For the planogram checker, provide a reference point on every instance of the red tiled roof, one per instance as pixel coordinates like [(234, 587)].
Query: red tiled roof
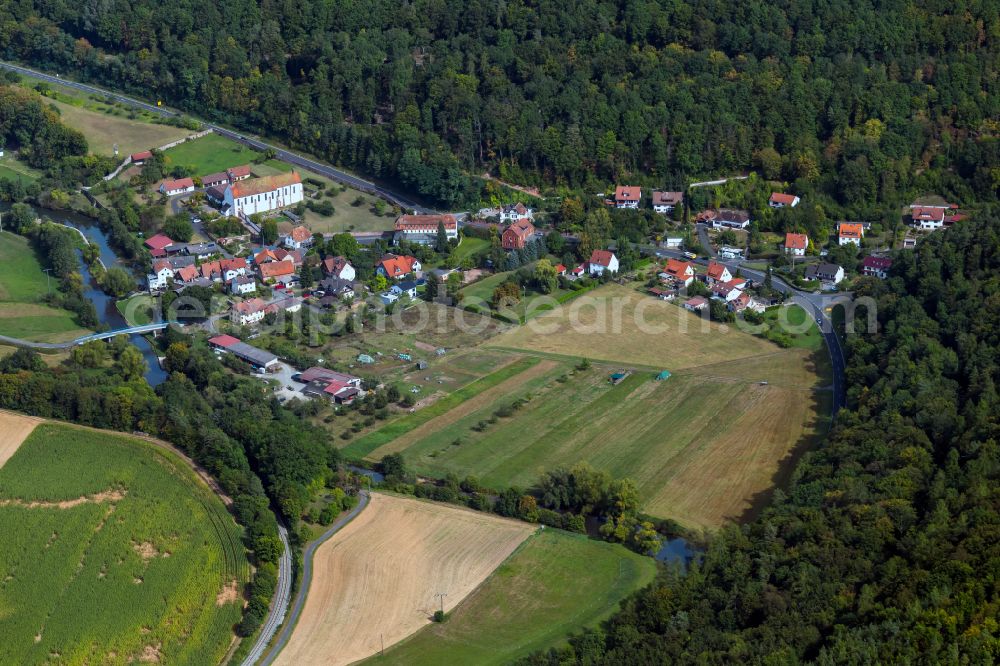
[(397, 266), (667, 198), (160, 265), (265, 256), (276, 269), (264, 184), (186, 273), (179, 184), (299, 234), (877, 263), (425, 222), (233, 264), (627, 193), (601, 257), (850, 230), (696, 301), (250, 306), (209, 268), (796, 241), (335, 264), (715, 270), (158, 242), (925, 213), (223, 340), (782, 198), (239, 171), (560, 268), (678, 268), (142, 155), (215, 178)]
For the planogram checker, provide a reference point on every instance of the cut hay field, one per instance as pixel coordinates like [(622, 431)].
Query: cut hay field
[(22, 286), (375, 580), (704, 446), (114, 552), (615, 323), (104, 129), (556, 583), (14, 429)]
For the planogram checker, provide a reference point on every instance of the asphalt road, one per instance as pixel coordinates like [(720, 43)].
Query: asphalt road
[(279, 605), (288, 156), (300, 599)]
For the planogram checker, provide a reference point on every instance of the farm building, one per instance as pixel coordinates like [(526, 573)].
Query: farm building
[(258, 358), (423, 229)]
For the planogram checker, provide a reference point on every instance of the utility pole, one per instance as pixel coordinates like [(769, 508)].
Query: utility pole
[(48, 279), (442, 595)]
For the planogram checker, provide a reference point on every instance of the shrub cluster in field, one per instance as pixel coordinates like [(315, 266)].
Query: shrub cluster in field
[(140, 567)]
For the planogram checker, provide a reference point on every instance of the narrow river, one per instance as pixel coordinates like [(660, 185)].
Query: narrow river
[(105, 305)]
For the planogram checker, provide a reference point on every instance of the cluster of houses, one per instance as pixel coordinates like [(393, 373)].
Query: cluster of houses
[(601, 262), (235, 192), (677, 275), (630, 197)]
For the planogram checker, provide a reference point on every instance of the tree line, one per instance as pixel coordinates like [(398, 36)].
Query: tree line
[(866, 102), (882, 548)]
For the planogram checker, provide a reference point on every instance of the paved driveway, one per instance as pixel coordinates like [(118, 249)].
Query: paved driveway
[(284, 375)]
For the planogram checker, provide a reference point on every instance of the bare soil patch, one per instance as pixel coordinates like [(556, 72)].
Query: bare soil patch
[(14, 429), (230, 593), (377, 578)]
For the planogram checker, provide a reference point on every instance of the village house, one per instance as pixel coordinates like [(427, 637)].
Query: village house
[(717, 273), (796, 244), (873, 266), (560, 269), (601, 261), (850, 232), (264, 256), (200, 250), (161, 275), (260, 195), (517, 235), (662, 294), (242, 285), (681, 272), (781, 200), (927, 217), (338, 288), (140, 158), (287, 304), (726, 218), (215, 179), (238, 173), (339, 267), (696, 304), (282, 272), (258, 358), (516, 212), (394, 267), (745, 302), (665, 202), (186, 274), (627, 196), (158, 245), (175, 187), (404, 288), (298, 238), (578, 272), (248, 312), (727, 291), (423, 229), (831, 273)]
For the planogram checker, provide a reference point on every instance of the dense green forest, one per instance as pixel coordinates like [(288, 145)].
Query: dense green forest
[(884, 547), (867, 101)]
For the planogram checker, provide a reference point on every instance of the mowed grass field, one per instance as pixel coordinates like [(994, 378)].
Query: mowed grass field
[(113, 551), (22, 287), (376, 579), (704, 446), (556, 583), (209, 154)]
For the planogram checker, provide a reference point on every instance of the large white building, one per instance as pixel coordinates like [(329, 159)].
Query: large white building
[(259, 195), (423, 229)]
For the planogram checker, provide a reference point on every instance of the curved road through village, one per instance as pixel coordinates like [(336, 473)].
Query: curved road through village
[(253, 142)]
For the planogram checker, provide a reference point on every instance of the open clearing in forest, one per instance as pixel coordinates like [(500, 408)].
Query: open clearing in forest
[(23, 284), (555, 584), (14, 429), (376, 579), (113, 549), (704, 446), (104, 130)]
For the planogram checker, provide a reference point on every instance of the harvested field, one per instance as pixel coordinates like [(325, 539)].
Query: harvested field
[(376, 579), (615, 323), (14, 429)]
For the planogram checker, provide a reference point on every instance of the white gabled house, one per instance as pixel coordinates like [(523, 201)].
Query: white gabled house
[(601, 261)]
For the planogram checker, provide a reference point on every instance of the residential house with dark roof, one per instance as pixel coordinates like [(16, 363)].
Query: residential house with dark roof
[(665, 202)]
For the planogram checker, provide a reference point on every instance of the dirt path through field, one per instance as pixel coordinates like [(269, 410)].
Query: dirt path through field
[(375, 581), (504, 389), (14, 429)]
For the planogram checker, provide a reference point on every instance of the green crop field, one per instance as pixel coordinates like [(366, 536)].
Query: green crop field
[(554, 584), (22, 286), (113, 551), (209, 154)]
